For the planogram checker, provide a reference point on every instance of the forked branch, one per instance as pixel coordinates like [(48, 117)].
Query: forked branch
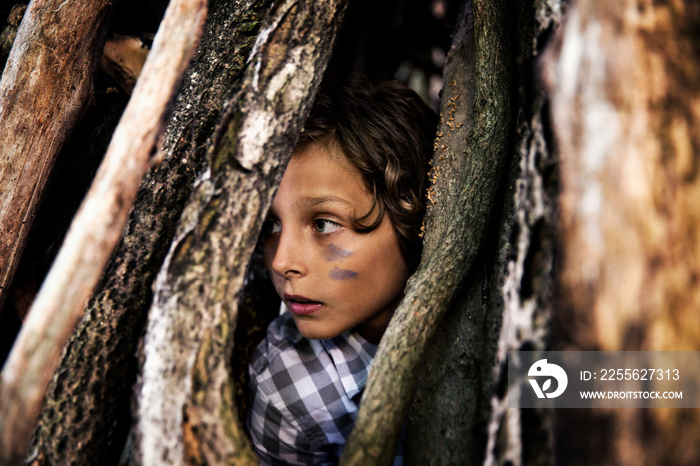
[(468, 165)]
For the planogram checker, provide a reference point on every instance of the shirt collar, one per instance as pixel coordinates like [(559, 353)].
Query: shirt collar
[(288, 329), (352, 356)]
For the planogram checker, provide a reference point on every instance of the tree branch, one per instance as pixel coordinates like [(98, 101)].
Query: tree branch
[(89, 242), (464, 188)]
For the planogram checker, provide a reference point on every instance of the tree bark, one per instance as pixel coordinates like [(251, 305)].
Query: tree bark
[(186, 409), (526, 252), (459, 410), (44, 89), (87, 412), (468, 170), (624, 80), (89, 242), (452, 400)]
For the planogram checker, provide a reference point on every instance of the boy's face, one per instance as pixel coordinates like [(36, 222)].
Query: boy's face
[(331, 277)]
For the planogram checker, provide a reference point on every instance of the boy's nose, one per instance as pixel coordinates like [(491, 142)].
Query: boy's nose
[(288, 260)]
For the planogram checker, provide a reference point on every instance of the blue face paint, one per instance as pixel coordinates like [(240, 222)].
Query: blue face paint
[(336, 253), (342, 274)]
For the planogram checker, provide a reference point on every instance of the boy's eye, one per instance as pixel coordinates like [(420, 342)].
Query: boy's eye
[(270, 227), (325, 226)]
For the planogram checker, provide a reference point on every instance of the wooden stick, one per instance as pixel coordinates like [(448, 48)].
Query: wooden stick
[(95, 229)]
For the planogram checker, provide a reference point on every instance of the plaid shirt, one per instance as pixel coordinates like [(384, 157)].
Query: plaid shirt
[(305, 394)]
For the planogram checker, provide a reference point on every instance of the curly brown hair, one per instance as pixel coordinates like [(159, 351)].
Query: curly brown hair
[(386, 132)]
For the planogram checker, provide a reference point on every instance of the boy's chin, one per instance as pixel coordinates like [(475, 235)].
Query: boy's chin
[(313, 331)]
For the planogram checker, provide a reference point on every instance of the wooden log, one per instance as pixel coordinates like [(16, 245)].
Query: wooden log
[(95, 230), (123, 60), (45, 86)]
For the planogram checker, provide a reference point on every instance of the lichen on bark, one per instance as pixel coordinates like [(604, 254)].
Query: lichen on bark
[(185, 394)]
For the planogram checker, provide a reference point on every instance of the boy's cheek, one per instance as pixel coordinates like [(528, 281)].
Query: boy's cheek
[(269, 250), (342, 274), (335, 253), (277, 283)]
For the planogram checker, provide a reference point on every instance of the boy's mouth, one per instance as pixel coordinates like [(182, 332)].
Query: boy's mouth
[(301, 305)]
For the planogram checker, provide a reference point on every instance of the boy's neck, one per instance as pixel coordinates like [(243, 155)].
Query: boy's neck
[(373, 331)]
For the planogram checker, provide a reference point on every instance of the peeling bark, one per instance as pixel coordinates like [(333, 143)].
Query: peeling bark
[(185, 398)]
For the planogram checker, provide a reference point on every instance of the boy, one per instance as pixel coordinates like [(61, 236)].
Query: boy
[(342, 238)]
